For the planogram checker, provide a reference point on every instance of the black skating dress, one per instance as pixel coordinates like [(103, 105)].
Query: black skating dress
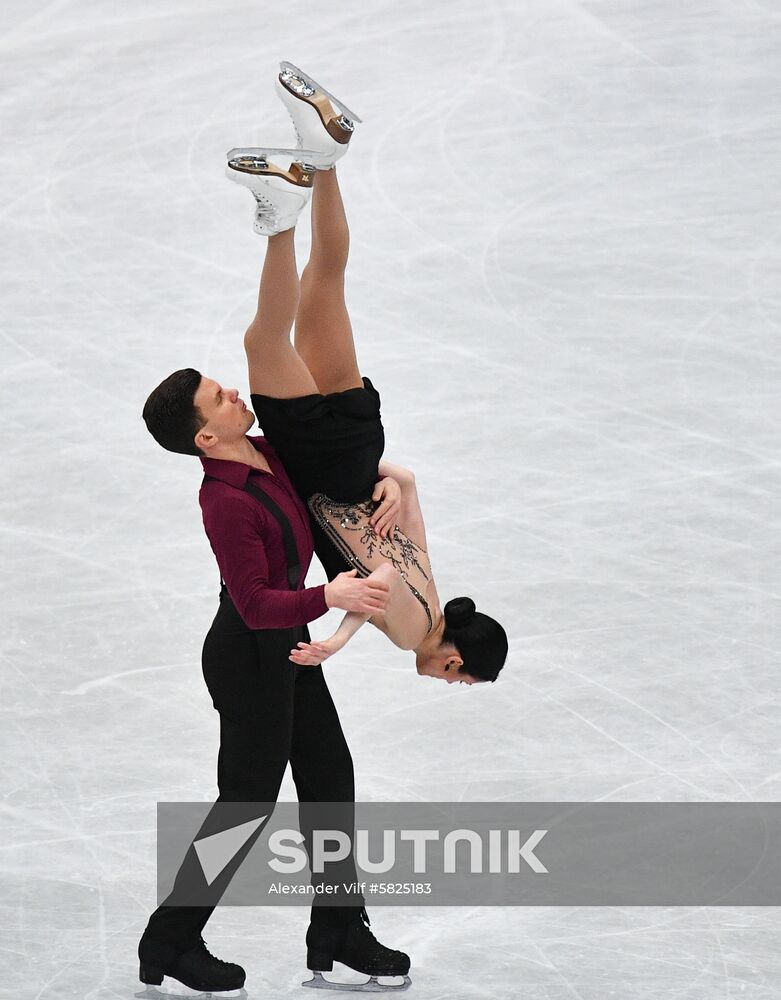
[(331, 445)]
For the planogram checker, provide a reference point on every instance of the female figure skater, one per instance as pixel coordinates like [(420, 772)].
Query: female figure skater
[(323, 418)]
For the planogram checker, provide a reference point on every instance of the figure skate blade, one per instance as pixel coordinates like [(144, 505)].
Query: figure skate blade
[(172, 989), (373, 985), (340, 106), (309, 158)]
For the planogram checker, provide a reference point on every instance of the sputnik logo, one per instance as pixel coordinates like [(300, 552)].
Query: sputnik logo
[(216, 851)]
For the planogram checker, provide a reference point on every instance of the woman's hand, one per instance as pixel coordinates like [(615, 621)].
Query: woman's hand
[(309, 654), (388, 492)]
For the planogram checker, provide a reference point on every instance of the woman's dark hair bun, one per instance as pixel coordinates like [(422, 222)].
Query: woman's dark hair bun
[(480, 641), (459, 612)]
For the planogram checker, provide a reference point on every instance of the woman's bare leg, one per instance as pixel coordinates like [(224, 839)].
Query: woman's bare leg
[(323, 335), (275, 367)]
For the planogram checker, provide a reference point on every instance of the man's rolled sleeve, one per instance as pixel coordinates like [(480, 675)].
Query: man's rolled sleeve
[(234, 532)]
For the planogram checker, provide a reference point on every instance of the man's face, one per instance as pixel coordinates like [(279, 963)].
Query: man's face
[(227, 416)]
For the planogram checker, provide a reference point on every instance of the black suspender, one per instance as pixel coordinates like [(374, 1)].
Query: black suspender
[(291, 552)]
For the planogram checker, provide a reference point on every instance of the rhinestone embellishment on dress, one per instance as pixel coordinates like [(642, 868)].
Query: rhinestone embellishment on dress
[(397, 548)]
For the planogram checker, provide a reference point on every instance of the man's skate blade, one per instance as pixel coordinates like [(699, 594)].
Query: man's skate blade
[(340, 105), (172, 989), (319, 982)]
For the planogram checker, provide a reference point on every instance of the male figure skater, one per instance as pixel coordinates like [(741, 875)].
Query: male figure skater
[(271, 710)]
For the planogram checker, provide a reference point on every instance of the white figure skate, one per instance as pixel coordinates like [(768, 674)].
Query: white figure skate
[(281, 191), (322, 122)]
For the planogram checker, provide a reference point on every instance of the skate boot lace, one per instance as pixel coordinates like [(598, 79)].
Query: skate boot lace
[(299, 139), (381, 948), (266, 209), (221, 962)]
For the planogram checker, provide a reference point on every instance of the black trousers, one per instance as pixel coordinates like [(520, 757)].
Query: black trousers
[(271, 711)]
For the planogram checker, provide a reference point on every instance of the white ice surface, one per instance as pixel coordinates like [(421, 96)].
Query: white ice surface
[(564, 280)]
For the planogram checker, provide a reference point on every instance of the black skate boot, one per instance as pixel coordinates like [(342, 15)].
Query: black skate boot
[(195, 968), (341, 934)]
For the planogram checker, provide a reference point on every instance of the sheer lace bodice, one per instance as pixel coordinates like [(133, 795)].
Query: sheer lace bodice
[(348, 527)]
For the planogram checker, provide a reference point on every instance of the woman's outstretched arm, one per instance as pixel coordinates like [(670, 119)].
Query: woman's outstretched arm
[(309, 654)]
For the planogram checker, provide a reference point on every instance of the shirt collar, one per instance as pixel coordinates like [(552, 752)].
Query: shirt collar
[(233, 473)]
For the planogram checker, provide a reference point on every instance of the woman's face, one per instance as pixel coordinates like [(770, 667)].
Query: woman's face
[(445, 666)]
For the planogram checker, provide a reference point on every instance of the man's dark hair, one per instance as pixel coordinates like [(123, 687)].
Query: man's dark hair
[(171, 416)]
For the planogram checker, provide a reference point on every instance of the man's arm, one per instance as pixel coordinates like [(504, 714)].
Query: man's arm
[(394, 480), (410, 515), (397, 472), (233, 532)]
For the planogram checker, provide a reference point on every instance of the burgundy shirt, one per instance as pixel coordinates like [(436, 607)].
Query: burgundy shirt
[(247, 541)]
